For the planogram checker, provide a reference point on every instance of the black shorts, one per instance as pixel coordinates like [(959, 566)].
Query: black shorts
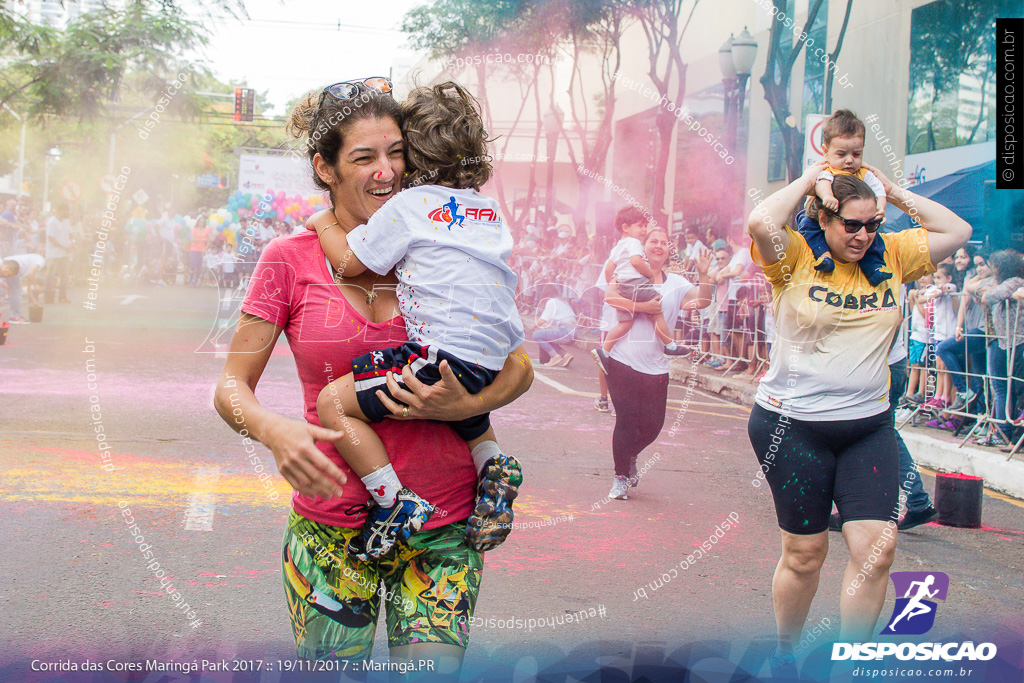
[(810, 464), (370, 374)]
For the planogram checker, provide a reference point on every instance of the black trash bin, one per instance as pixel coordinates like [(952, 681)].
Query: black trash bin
[(958, 499)]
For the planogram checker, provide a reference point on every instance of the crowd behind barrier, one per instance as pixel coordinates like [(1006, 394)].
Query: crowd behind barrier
[(150, 250), (966, 368), (963, 326)]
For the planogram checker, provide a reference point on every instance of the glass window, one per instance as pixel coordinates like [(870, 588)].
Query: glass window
[(952, 73), (776, 147), (814, 67)]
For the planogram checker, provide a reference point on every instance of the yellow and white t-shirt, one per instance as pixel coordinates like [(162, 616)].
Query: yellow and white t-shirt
[(833, 330)]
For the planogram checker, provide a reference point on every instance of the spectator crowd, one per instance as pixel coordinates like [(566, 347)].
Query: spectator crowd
[(963, 326)]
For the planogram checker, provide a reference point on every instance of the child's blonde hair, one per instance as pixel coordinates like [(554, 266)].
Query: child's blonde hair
[(446, 143)]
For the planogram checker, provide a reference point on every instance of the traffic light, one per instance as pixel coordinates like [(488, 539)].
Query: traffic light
[(245, 104)]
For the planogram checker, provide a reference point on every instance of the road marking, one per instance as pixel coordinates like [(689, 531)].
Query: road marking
[(202, 503), (127, 299), (987, 492), (572, 392)]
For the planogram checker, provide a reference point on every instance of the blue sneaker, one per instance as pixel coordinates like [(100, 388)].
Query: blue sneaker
[(385, 526), (492, 516)]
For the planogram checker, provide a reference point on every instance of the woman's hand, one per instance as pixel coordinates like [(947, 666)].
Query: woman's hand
[(703, 262), (446, 400), (300, 462), (652, 307), (810, 177)]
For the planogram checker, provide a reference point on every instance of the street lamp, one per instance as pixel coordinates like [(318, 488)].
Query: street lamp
[(552, 123), (52, 157), (736, 60)]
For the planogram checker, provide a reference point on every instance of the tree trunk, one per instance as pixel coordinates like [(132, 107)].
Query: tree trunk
[(834, 56)]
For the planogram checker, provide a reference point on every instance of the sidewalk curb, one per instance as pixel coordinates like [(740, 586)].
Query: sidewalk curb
[(1000, 474)]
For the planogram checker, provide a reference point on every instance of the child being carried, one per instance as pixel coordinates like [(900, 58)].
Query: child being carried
[(456, 293)]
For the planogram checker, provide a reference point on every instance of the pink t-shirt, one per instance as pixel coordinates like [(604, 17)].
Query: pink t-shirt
[(292, 289)]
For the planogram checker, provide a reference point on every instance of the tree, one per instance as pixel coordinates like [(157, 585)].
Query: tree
[(665, 23), (594, 30), (834, 55), (72, 73), (782, 55)]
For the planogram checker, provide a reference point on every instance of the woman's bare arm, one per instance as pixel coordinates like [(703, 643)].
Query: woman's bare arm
[(615, 300), (292, 442), (766, 220), (947, 232)]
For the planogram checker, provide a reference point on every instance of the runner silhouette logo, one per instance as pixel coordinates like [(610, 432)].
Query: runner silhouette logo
[(914, 612)]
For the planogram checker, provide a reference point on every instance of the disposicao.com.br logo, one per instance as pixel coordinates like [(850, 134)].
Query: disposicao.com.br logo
[(914, 614)]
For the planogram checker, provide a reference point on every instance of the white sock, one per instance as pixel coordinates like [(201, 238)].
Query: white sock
[(484, 451), (383, 485)]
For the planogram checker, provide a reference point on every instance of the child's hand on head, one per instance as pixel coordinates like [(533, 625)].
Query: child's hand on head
[(830, 203), (320, 220)]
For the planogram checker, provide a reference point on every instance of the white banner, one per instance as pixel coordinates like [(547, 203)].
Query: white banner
[(259, 173), (932, 165)]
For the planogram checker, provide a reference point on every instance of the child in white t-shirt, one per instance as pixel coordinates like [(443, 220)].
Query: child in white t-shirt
[(920, 337), (456, 292), (945, 305), (633, 281)]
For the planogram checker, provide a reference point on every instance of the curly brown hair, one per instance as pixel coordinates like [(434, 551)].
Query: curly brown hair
[(323, 123), (446, 143)]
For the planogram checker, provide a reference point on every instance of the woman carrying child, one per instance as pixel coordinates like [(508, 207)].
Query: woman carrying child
[(637, 367), (356, 147), (820, 427)]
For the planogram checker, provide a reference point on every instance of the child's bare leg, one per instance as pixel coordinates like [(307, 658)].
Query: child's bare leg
[(661, 328), (618, 331), (361, 448)]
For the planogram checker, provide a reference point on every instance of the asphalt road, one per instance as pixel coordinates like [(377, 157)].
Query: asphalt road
[(78, 588)]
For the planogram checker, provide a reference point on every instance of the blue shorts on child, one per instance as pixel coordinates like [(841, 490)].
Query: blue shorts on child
[(917, 352), (370, 375)]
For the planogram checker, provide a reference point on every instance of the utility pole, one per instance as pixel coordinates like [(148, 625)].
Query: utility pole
[(21, 150)]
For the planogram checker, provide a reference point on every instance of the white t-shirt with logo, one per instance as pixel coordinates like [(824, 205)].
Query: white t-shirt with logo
[(641, 349), (455, 287)]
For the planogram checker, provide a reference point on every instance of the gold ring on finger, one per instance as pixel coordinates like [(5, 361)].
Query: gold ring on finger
[(405, 411)]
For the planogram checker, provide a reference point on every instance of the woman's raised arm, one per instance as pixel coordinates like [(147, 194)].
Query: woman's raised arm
[(947, 232), (449, 401), (293, 442), (766, 220)]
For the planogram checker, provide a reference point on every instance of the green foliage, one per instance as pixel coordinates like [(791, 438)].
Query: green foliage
[(950, 39), (74, 73)]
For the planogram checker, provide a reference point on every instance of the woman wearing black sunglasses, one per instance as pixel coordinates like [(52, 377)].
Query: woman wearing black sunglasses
[(428, 588), (820, 427)]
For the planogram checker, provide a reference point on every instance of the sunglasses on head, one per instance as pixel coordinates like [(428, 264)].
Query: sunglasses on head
[(348, 90), (854, 227)]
